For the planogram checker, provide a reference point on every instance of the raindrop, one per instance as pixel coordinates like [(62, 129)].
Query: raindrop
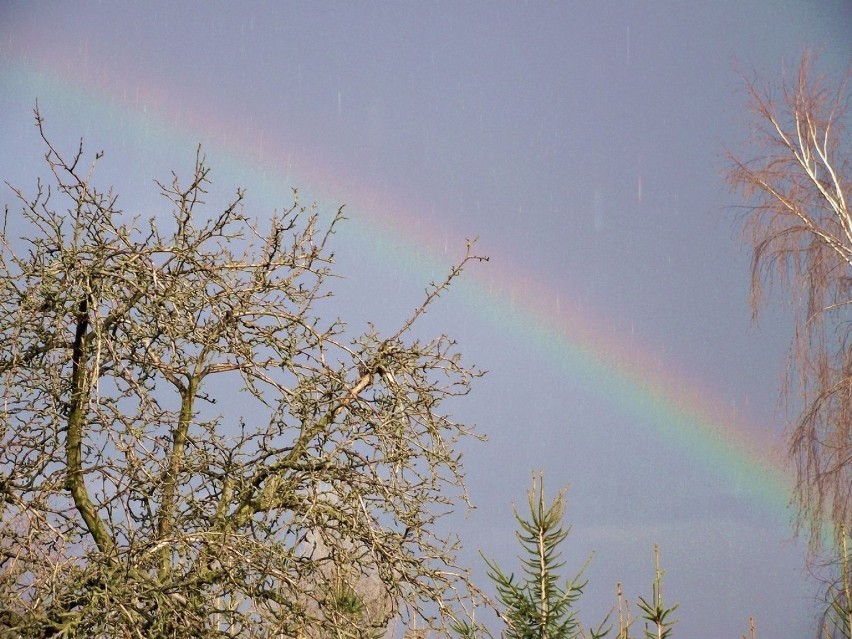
[(628, 45), (598, 208)]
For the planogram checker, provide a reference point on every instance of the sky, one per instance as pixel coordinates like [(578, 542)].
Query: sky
[(583, 144)]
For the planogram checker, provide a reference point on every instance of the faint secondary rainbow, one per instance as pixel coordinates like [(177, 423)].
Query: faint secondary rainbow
[(636, 381)]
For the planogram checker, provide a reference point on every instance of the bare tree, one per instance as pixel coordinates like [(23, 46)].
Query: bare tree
[(180, 430), (798, 222)]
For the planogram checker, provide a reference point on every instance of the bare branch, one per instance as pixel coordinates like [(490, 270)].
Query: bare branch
[(301, 496), (800, 228)]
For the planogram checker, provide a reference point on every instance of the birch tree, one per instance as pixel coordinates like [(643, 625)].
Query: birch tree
[(796, 184)]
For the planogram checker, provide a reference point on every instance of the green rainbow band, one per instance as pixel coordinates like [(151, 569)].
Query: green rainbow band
[(637, 382)]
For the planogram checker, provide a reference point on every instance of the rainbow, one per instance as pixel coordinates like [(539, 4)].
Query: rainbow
[(637, 382)]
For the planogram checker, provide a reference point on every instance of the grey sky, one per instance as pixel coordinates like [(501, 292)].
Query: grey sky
[(582, 142)]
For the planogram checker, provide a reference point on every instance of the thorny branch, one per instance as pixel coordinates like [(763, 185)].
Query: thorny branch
[(309, 502)]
